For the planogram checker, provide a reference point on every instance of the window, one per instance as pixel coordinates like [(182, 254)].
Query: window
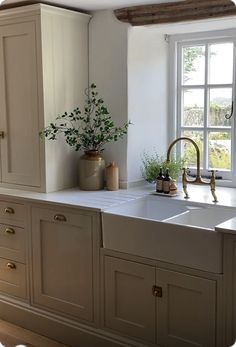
[(204, 98)]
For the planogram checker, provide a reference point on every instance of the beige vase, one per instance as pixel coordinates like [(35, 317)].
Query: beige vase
[(91, 171)]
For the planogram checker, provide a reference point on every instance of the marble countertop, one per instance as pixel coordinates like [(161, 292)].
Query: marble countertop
[(103, 200)]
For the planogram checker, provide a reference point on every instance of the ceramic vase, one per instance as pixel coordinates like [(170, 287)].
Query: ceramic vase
[(91, 171)]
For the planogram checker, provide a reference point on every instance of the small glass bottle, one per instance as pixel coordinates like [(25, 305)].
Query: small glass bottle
[(166, 182), (159, 182)]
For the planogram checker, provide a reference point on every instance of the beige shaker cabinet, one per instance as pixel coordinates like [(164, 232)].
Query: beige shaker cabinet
[(64, 257), (13, 250), (20, 147), (157, 305), (43, 72)]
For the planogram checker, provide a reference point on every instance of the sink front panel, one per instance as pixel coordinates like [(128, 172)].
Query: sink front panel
[(192, 247)]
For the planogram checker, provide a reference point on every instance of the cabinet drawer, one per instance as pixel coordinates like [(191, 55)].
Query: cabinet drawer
[(79, 220), (12, 211), (13, 278), (12, 242)]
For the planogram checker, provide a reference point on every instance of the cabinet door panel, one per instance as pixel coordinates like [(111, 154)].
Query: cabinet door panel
[(186, 313), (62, 263), (129, 303), (19, 105)]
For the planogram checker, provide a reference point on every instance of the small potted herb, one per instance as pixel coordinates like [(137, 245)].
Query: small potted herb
[(151, 164)]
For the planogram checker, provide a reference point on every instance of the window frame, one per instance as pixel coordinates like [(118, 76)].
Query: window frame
[(175, 90)]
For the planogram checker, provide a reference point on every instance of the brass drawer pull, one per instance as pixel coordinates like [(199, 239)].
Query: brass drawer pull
[(2, 134), (60, 218), (9, 231), (9, 210), (11, 266), (157, 291)]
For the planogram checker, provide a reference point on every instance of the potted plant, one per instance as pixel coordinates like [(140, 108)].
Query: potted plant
[(151, 164), (89, 131)]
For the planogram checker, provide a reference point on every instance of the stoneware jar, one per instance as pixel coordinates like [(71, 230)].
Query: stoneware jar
[(91, 171), (112, 177)]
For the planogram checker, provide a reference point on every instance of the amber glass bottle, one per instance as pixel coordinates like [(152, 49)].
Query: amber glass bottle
[(166, 182), (159, 182)]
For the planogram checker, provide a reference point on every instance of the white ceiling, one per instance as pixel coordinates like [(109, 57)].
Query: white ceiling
[(92, 5)]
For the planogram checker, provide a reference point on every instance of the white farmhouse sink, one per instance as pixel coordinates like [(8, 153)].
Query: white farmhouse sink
[(150, 207), (168, 230), (203, 217)]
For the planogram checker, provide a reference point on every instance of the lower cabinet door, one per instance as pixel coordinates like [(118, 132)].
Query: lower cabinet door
[(186, 312), (129, 302), (63, 262)]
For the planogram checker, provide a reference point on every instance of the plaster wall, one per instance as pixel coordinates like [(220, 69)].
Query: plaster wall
[(147, 96), (129, 66), (108, 45)]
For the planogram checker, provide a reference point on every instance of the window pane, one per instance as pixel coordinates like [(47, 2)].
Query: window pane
[(193, 107), (193, 65), (219, 150), (221, 63), (220, 107), (188, 150)]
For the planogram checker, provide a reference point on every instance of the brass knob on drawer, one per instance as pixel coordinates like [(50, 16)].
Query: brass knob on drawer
[(9, 231), (11, 266), (60, 218), (9, 210)]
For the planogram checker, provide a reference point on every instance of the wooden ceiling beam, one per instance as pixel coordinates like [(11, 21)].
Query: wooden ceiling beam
[(175, 12)]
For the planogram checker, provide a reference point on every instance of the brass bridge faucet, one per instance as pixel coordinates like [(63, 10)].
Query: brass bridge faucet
[(198, 179)]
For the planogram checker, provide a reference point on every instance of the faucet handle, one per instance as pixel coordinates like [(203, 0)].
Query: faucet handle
[(213, 172)]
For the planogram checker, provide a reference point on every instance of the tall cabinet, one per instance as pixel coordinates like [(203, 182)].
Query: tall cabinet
[(43, 72)]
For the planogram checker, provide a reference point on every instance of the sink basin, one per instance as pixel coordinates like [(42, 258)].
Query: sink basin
[(169, 230), (203, 217), (150, 207)]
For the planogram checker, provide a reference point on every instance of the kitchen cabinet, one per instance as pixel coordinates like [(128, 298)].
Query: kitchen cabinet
[(158, 305), (63, 262), (13, 253), (43, 72)]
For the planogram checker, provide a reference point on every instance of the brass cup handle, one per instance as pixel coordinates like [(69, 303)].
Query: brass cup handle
[(11, 266), (9, 231), (9, 210), (60, 218)]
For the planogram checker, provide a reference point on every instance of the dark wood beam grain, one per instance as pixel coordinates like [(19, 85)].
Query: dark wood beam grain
[(175, 12)]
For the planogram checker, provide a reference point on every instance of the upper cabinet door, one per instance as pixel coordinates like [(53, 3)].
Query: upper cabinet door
[(19, 143)]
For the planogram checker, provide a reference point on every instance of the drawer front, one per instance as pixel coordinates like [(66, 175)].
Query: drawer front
[(13, 278), (79, 220), (13, 211), (12, 242)]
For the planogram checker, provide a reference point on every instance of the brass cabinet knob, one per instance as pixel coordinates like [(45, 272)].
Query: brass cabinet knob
[(9, 210), (2, 134), (60, 218), (9, 231), (157, 291), (11, 266)]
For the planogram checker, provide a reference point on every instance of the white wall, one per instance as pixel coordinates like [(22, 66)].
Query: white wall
[(147, 96), (129, 66), (108, 41)]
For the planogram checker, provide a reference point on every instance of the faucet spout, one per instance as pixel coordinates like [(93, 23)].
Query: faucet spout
[(198, 175)]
